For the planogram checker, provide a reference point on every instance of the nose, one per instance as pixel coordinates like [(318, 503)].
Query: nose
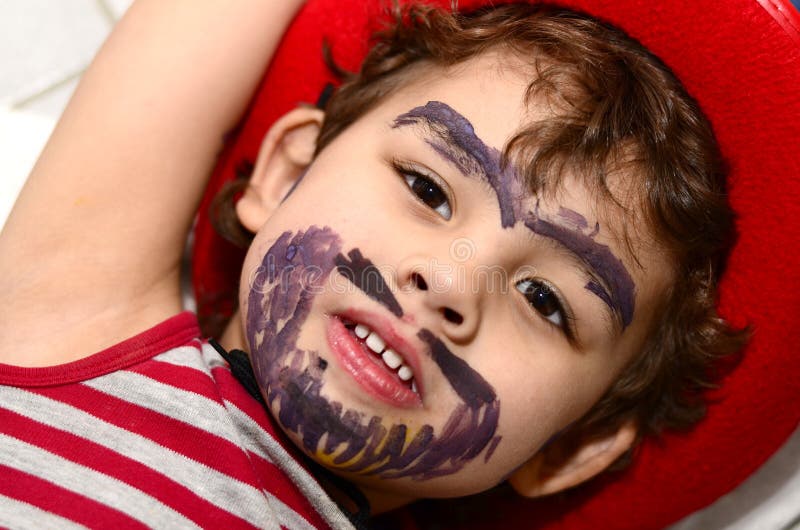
[(439, 297)]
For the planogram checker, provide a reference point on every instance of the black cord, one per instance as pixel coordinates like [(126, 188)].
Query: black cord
[(242, 370)]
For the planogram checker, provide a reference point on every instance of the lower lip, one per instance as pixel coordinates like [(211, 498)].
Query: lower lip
[(367, 369)]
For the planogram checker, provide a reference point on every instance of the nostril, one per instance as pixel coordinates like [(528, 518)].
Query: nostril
[(419, 281), (452, 316)]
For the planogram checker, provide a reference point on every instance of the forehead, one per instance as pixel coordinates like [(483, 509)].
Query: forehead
[(489, 90), (489, 94)]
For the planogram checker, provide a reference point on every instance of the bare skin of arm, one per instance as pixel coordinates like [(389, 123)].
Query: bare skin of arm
[(90, 253)]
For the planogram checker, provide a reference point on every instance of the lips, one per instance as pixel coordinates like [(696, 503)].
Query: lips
[(383, 363)]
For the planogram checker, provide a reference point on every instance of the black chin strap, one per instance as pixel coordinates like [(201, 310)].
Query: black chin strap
[(242, 370)]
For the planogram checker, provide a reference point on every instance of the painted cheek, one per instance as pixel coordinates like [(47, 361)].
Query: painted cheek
[(292, 378)]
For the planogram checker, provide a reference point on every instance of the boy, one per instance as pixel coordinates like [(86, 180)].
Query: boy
[(572, 161)]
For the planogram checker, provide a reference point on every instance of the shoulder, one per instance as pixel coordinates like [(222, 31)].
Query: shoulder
[(152, 431), (175, 332)]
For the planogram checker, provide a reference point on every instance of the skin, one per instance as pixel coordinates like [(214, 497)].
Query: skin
[(605, 268), (279, 304), (360, 271), (500, 357), (99, 228), (97, 192), (459, 145)]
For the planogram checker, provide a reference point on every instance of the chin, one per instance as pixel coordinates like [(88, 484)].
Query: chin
[(342, 399)]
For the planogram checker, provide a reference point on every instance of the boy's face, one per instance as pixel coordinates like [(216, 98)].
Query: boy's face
[(509, 315)]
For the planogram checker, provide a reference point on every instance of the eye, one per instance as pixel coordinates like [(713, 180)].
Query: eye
[(427, 191), (542, 297)]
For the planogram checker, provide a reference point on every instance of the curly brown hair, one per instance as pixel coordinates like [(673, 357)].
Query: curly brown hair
[(618, 106)]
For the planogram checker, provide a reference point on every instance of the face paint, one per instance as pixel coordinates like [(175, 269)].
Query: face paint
[(467, 383), (573, 218), (620, 294), (291, 379), (457, 142), (365, 275)]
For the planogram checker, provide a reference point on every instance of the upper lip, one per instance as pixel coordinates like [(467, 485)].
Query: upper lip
[(393, 338)]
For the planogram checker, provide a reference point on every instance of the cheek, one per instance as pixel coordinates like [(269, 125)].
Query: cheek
[(251, 270), (353, 190), (532, 411), (543, 389)]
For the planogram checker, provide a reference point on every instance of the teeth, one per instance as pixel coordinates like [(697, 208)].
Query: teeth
[(375, 342), (405, 373), (391, 359), (361, 331)]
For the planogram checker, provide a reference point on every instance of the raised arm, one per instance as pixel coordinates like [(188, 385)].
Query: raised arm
[(90, 253)]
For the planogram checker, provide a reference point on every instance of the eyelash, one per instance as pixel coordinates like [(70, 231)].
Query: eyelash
[(413, 178), (565, 321)]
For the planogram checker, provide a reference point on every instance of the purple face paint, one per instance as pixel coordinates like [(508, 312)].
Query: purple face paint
[(457, 142), (468, 384), (598, 257), (365, 275), (291, 379), (573, 218), (491, 448)]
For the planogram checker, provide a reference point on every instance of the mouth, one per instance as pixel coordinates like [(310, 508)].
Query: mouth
[(379, 360)]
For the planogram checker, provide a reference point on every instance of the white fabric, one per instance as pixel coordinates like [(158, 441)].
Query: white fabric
[(768, 500)]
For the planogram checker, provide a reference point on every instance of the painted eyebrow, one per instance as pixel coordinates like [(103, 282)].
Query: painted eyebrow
[(459, 138), (615, 288), (590, 277)]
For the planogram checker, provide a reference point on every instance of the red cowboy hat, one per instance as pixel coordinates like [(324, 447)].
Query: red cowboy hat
[(741, 60)]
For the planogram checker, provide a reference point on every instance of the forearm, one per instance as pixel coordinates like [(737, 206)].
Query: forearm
[(148, 116), (119, 180)]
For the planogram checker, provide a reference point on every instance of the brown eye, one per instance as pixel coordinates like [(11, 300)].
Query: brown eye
[(428, 192), (541, 297)]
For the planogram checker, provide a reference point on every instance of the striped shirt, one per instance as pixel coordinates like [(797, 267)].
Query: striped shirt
[(151, 433)]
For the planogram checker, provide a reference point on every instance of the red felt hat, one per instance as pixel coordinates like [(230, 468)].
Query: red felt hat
[(741, 60)]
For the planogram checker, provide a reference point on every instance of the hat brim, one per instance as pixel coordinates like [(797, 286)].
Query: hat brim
[(741, 60)]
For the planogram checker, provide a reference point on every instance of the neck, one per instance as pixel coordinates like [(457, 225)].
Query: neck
[(381, 502), (233, 336)]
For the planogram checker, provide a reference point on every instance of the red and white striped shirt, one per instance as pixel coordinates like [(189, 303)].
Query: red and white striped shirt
[(154, 432)]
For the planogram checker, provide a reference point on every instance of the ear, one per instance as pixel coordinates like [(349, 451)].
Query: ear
[(286, 151), (553, 469)]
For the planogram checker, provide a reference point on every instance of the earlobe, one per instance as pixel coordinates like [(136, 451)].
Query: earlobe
[(286, 152), (552, 469)]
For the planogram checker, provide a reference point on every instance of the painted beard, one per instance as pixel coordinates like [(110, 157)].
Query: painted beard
[(293, 270)]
